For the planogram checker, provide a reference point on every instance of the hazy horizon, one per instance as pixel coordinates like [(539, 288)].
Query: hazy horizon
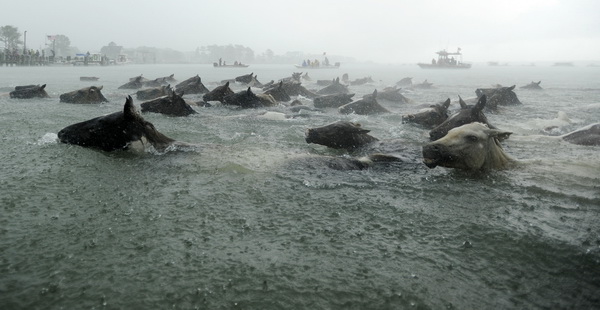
[(375, 31)]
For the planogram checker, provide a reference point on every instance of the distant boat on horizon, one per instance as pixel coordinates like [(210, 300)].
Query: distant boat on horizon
[(307, 64), (223, 64), (446, 60), (216, 65), (334, 66)]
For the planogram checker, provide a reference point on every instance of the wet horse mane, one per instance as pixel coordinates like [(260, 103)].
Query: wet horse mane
[(158, 140)]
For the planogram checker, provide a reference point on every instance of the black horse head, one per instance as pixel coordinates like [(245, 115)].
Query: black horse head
[(114, 131)]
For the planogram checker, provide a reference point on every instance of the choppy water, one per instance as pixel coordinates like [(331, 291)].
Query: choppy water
[(242, 223)]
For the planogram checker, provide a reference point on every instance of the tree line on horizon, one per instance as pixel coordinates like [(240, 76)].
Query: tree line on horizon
[(60, 45)]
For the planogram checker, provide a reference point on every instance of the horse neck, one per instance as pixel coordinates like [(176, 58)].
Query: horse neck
[(496, 158)]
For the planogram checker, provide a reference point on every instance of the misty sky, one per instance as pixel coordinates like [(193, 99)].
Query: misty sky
[(379, 31)]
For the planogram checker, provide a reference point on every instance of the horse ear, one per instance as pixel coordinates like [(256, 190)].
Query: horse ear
[(511, 88), (499, 134), (43, 86), (101, 86), (446, 103), (480, 104), (249, 91), (463, 104), (129, 109), (227, 84), (357, 128), (375, 94), (280, 83)]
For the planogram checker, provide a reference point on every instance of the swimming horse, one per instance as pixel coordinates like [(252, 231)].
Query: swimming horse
[(116, 131)]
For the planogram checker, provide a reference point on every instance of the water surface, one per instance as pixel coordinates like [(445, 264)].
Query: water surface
[(241, 221)]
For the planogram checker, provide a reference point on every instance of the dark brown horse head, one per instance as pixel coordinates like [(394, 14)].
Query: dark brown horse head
[(366, 106), (467, 114), (218, 93), (173, 105), (340, 135), (430, 117), (500, 95), (243, 99), (279, 93), (90, 94), (29, 91)]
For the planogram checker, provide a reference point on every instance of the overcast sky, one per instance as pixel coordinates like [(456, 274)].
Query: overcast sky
[(393, 31)]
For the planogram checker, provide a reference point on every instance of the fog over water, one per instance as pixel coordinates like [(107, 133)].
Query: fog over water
[(378, 31)]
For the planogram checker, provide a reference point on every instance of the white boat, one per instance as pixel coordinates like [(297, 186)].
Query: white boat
[(446, 60)]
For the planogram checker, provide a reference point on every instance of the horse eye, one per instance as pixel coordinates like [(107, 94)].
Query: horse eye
[(471, 138)]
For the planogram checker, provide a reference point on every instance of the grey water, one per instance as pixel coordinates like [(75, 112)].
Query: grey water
[(241, 222)]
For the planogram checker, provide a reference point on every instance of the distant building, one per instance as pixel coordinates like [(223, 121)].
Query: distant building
[(112, 51)]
